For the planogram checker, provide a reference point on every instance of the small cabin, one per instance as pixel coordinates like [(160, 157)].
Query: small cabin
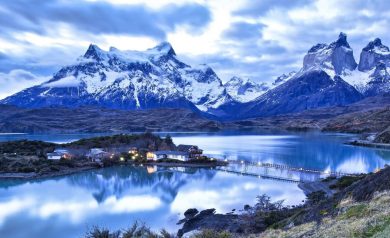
[(97, 154), (59, 154), (65, 154), (53, 156), (133, 150), (192, 150), (167, 154)]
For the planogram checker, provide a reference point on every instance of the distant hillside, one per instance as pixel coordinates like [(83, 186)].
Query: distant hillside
[(67, 120), (369, 115)]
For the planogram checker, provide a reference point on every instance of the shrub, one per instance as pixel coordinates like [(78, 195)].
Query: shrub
[(316, 197), (53, 168), (377, 229), (138, 231), (26, 170), (346, 181), (98, 232), (67, 162), (212, 234), (356, 211)]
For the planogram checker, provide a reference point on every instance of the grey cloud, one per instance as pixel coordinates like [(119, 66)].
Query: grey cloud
[(17, 80), (102, 17), (244, 31), (256, 8)]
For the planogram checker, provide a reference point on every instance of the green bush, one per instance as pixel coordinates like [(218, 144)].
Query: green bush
[(316, 197), (67, 162), (26, 170), (212, 234), (53, 168), (135, 231), (360, 210), (98, 232), (377, 229), (346, 181)]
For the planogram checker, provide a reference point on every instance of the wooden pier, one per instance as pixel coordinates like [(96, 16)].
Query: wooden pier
[(262, 176), (248, 167)]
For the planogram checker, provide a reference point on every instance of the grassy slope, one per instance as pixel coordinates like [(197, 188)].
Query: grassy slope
[(362, 209), (356, 219)]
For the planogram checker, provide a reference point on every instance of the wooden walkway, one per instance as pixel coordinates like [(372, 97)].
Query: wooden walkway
[(285, 179), (249, 168)]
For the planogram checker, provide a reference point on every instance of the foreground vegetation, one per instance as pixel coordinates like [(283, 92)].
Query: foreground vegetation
[(138, 230)]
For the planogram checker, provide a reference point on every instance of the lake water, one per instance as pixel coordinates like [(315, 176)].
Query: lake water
[(116, 197)]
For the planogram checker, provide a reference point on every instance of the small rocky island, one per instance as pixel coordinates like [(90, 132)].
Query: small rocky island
[(25, 159)]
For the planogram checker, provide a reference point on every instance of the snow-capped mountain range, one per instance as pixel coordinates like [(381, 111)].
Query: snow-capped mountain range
[(329, 77), (128, 80), (157, 78), (245, 90)]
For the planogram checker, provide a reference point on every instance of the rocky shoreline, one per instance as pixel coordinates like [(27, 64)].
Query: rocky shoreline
[(367, 143), (215, 163), (34, 175), (81, 167)]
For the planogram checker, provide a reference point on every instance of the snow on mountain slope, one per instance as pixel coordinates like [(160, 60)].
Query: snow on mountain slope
[(373, 53), (371, 78), (336, 57), (317, 84), (358, 79), (128, 80), (282, 79), (203, 87), (245, 90), (306, 90)]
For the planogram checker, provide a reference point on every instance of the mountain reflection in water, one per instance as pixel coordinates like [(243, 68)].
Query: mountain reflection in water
[(116, 181)]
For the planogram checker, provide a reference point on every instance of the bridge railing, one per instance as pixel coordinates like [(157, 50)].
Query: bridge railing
[(287, 167)]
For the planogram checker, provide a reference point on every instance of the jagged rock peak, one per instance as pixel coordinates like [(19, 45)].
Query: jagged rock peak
[(283, 78), (317, 47), (113, 49), (342, 40), (380, 74), (94, 52), (335, 58), (165, 47), (376, 44), (235, 80), (372, 54), (244, 89)]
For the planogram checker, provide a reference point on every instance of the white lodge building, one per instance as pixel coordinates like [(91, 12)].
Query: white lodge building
[(167, 154)]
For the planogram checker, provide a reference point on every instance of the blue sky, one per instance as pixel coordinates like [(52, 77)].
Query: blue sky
[(259, 39)]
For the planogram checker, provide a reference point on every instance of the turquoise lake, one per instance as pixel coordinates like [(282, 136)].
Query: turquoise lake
[(116, 197)]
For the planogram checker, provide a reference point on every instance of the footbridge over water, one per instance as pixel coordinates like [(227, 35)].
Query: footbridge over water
[(277, 171)]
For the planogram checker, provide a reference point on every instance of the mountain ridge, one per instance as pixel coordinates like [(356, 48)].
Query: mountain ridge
[(157, 78)]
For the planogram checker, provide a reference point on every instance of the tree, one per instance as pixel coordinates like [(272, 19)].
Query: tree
[(168, 140)]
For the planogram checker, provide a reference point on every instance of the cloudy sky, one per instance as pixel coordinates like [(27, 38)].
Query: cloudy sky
[(259, 39)]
